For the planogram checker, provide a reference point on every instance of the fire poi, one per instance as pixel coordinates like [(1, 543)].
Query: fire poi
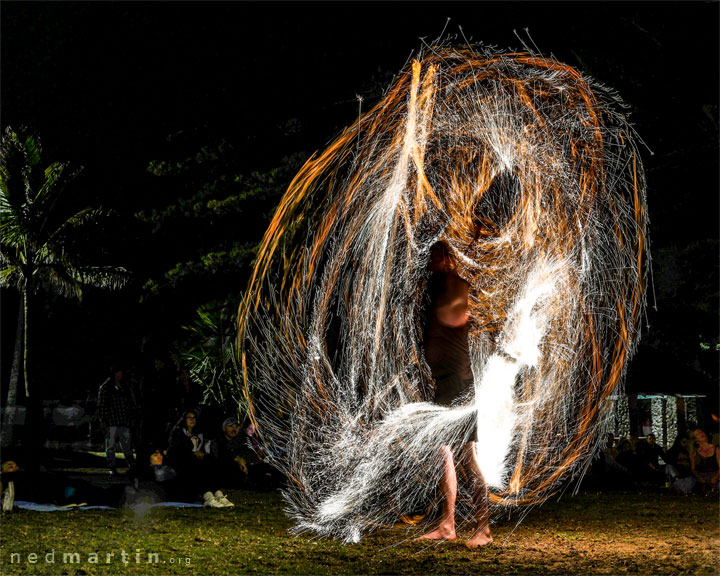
[(530, 175)]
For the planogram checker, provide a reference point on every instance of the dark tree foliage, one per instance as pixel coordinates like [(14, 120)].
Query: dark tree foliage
[(201, 244), (106, 82)]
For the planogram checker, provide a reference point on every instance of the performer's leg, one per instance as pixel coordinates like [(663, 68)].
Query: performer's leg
[(448, 485), (481, 536)]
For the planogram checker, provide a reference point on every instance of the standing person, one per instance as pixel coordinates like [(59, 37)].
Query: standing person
[(447, 355), (115, 412)]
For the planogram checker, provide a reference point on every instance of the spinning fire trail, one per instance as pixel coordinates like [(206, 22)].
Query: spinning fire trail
[(531, 175)]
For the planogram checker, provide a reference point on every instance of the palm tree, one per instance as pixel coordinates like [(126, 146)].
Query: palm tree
[(37, 239)]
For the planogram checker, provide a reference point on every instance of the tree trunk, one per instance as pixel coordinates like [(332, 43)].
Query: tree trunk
[(34, 430), (11, 405), (26, 295)]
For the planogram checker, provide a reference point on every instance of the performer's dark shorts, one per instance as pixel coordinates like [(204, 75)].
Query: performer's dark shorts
[(452, 390)]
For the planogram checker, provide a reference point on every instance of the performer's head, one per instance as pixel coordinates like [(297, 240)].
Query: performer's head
[(441, 258)]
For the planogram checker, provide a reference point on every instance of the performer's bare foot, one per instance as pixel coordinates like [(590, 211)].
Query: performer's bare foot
[(481, 538), (445, 531)]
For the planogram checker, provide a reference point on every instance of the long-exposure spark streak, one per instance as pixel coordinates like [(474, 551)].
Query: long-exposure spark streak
[(530, 174)]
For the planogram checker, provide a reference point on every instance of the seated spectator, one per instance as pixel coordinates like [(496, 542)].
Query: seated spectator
[(159, 486), (262, 475), (705, 462), (650, 456), (189, 454), (614, 474), (677, 467), (162, 472), (626, 457), (610, 452), (679, 457), (622, 471), (232, 454)]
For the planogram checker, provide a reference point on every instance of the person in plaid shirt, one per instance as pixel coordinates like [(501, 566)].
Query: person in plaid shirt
[(115, 413)]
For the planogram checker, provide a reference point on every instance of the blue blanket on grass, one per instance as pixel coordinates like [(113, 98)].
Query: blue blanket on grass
[(35, 507)]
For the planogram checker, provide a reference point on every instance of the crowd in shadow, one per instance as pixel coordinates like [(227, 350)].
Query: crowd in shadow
[(690, 466), (176, 447)]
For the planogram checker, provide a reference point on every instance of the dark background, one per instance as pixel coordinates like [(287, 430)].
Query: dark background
[(113, 86)]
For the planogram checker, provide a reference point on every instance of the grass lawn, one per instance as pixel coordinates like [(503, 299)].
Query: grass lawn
[(584, 534)]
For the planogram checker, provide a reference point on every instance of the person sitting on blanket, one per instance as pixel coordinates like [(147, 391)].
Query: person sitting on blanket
[(232, 454), (7, 485), (190, 455), (55, 488)]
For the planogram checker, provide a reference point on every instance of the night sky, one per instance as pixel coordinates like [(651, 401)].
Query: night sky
[(112, 86)]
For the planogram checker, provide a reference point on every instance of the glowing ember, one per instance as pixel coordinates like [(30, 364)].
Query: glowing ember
[(531, 175)]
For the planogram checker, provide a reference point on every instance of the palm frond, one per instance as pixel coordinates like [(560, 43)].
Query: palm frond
[(48, 189), (33, 149), (62, 283), (15, 168), (11, 233), (11, 276), (107, 277), (67, 279), (11, 258), (36, 239), (84, 217)]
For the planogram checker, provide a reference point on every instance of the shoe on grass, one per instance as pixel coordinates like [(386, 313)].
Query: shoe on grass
[(220, 497), (210, 501)]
